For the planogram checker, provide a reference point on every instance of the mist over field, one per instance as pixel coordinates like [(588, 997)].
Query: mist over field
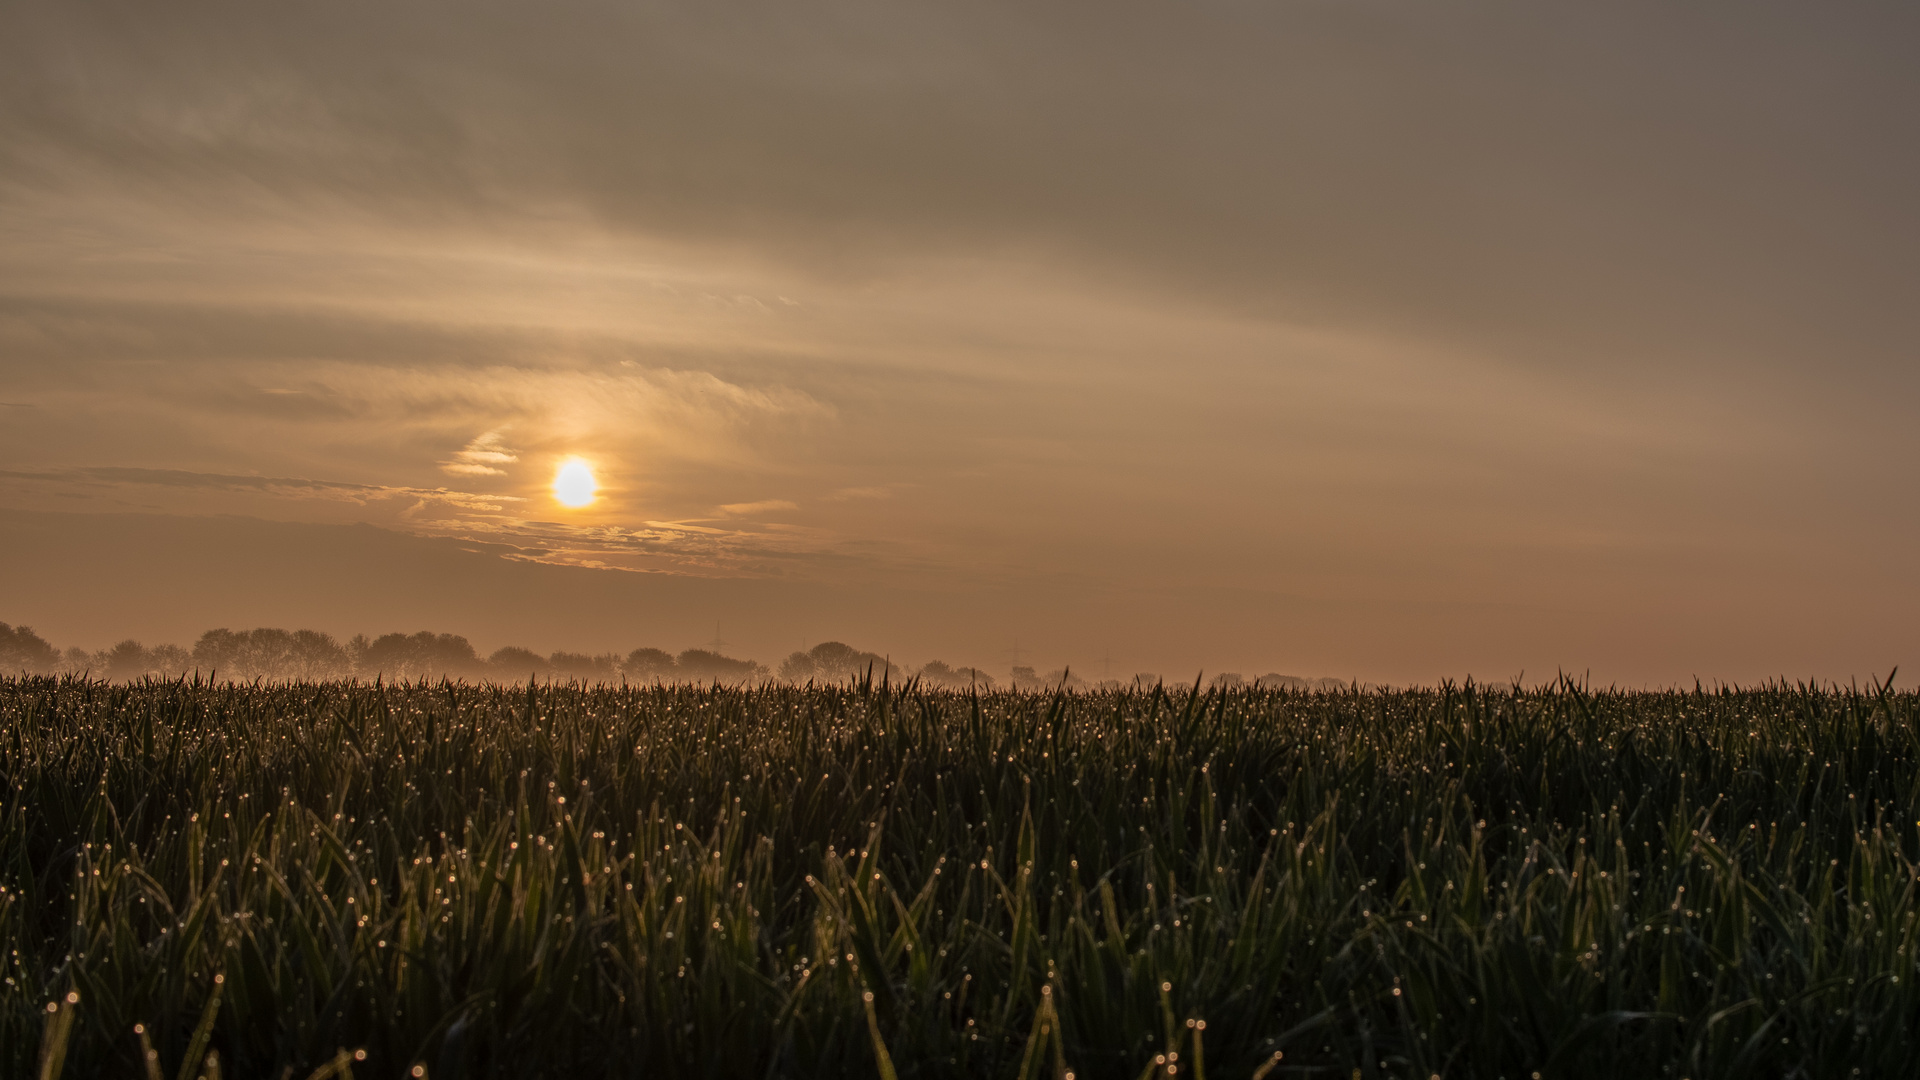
[(313, 656)]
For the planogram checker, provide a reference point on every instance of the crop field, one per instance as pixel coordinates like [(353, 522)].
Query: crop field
[(448, 880)]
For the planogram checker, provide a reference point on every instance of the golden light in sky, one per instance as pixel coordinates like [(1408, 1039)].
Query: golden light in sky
[(574, 485)]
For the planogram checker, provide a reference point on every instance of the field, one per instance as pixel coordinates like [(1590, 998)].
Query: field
[(872, 880)]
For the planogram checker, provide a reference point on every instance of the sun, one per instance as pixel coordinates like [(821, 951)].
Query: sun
[(574, 485)]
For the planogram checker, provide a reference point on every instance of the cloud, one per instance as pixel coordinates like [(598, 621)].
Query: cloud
[(862, 493), (278, 486), (1475, 173), (684, 548), (748, 509), (501, 521), (481, 457)]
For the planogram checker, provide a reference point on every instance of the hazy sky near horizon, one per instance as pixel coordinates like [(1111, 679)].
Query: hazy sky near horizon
[(1383, 340)]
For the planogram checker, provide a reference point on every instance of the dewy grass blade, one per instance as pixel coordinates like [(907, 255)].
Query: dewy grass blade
[(197, 1045), (882, 1060), (149, 1057), (59, 1029)]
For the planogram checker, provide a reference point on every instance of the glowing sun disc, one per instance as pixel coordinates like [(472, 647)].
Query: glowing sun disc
[(574, 484)]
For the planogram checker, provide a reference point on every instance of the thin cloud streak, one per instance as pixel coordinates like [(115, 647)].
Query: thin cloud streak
[(499, 521), (481, 457), (277, 486), (751, 509)]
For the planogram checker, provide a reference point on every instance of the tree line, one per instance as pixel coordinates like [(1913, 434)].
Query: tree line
[(269, 653)]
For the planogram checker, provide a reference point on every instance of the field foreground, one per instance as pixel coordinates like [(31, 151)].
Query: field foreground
[(869, 880)]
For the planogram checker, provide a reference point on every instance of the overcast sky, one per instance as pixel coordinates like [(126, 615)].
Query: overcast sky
[(1376, 340)]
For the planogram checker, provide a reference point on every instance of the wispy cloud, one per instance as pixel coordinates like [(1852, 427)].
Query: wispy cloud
[(748, 509), (481, 457), (285, 487), (740, 548)]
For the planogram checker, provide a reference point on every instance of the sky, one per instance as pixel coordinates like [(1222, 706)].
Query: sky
[(1384, 341)]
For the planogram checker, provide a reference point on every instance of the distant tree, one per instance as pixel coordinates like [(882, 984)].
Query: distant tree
[(313, 655), (127, 660), (24, 652), (833, 661), (701, 665), (269, 653), (424, 655), (1024, 678), (587, 669), (130, 660), (221, 651), (837, 660), (169, 660), (1064, 679), (937, 673), (514, 664), (1277, 681), (1228, 680), (647, 665), (447, 654)]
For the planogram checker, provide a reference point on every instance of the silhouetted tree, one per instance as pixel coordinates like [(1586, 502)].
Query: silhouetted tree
[(169, 660), (127, 660), (643, 665), (1064, 678), (514, 664), (130, 660), (424, 655), (833, 661), (23, 651), (1294, 682), (268, 653), (938, 673), (700, 665), (221, 651), (314, 655), (588, 669)]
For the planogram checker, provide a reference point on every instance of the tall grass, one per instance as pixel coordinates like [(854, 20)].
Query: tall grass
[(876, 881)]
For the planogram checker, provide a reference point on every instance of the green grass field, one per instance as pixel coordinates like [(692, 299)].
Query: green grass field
[(875, 881)]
